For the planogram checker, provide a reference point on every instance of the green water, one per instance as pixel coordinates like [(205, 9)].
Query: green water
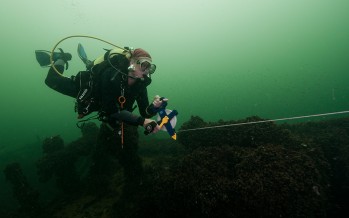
[(222, 59)]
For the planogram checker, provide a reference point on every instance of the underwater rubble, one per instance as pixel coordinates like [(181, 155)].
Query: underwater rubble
[(23, 192), (257, 170)]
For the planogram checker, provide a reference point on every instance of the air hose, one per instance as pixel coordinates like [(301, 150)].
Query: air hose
[(75, 36)]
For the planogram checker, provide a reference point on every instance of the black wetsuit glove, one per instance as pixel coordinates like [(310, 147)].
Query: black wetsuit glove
[(149, 128), (63, 56)]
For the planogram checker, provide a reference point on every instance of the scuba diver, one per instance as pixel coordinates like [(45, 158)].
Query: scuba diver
[(110, 85)]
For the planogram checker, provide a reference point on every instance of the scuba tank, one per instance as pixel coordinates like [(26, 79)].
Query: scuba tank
[(106, 57)]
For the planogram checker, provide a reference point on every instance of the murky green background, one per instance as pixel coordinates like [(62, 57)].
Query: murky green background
[(222, 59)]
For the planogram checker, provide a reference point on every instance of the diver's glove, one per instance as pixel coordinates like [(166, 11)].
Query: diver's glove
[(150, 126), (158, 102), (62, 56)]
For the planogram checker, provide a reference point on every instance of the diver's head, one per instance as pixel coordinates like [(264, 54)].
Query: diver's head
[(141, 54), (141, 64)]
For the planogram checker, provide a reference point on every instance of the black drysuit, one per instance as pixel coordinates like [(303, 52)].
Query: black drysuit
[(107, 87)]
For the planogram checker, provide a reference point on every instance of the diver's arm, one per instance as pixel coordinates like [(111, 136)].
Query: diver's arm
[(145, 109), (128, 117), (60, 83), (132, 119)]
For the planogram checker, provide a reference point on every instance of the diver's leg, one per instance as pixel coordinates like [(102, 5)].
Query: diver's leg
[(104, 164), (133, 174), (59, 83)]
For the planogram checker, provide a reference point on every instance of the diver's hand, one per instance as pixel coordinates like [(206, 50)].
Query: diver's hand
[(61, 57), (150, 126), (158, 101)]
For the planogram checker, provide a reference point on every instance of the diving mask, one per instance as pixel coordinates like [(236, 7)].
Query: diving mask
[(146, 66)]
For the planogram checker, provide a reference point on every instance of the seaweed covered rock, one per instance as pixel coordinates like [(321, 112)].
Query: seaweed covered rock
[(27, 197), (250, 132), (269, 181), (331, 137), (245, 168), (60, 160), (200, 185), (58, 163), (273, 181), (52, 144), (86, 144)]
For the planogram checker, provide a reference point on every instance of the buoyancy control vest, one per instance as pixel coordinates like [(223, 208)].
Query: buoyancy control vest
[(87, 100)]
